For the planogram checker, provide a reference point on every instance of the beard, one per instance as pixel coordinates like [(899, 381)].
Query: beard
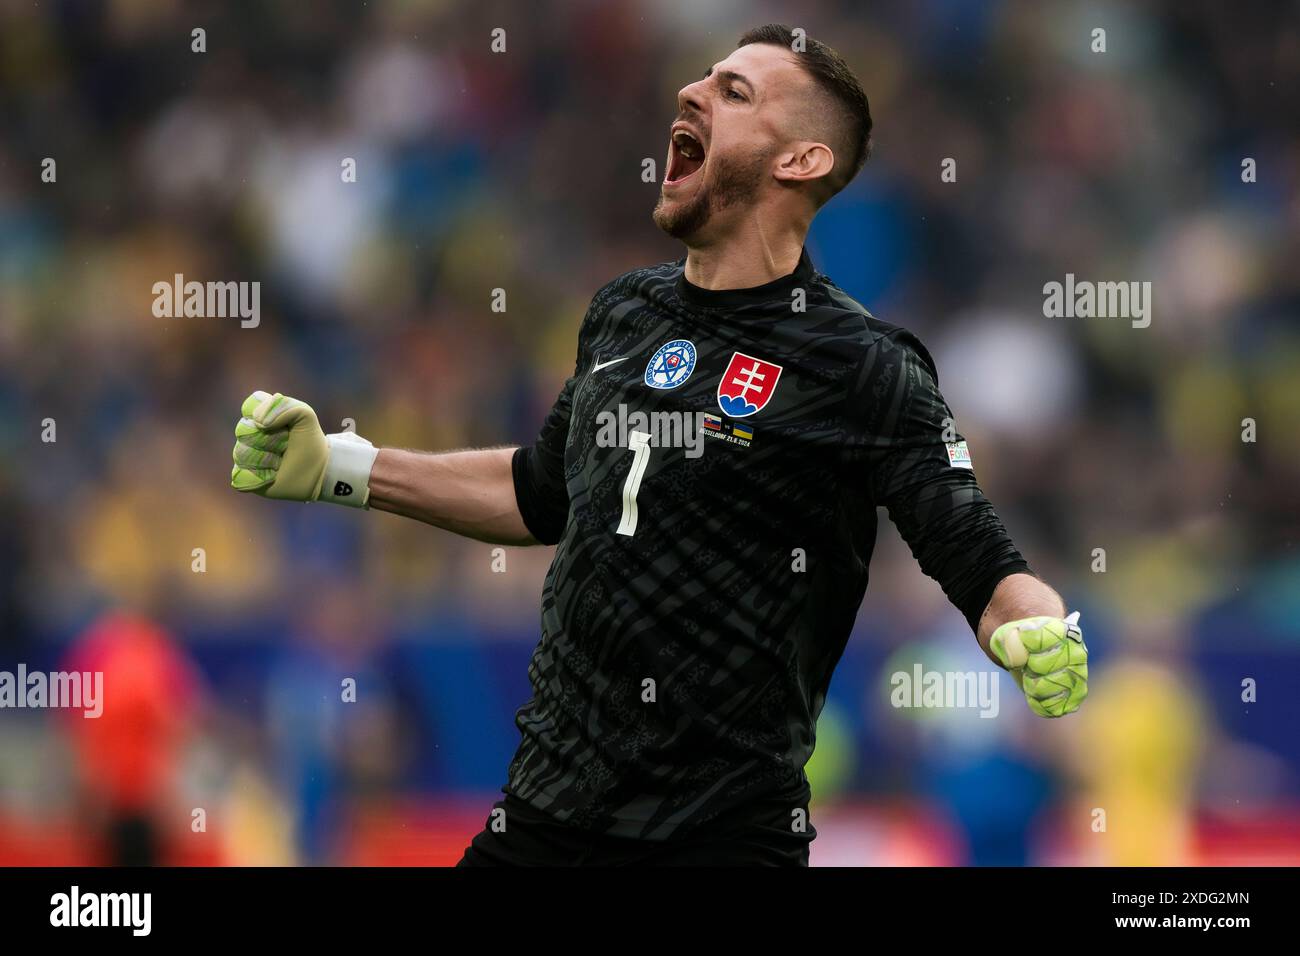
[(735, 181)]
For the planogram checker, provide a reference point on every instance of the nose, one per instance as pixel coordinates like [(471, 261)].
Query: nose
[(690, 98)]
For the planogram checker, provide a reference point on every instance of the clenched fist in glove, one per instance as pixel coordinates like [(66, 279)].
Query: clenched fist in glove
[(1048, 659), (281, 452)]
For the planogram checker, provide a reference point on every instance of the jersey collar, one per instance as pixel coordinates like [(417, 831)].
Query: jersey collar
[(778, 290)]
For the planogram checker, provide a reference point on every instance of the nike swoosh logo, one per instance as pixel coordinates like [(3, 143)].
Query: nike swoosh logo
[(599, 365)]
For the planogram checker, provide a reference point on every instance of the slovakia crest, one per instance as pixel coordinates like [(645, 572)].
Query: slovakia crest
[(747, 385), (671, 365)]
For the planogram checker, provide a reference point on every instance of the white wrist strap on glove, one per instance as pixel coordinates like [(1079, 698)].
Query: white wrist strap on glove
[(347, 471)]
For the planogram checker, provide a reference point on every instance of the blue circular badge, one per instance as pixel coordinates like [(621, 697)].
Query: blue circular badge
[(671, 365)]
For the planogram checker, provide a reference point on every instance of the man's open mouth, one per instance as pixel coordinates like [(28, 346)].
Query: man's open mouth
[(685, 156)]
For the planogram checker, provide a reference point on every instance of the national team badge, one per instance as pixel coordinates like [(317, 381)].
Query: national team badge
[(747, 385), (671, 365)]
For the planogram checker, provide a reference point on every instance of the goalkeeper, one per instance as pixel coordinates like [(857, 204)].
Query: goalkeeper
[(697, 604)]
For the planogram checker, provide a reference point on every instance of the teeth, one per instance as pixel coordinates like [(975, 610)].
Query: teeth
[(688, 144)]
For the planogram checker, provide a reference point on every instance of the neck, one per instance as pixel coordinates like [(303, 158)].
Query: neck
[(749, 256)]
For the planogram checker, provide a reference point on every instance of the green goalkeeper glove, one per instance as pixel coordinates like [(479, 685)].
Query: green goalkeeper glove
[(1048, 660), (281, 452)]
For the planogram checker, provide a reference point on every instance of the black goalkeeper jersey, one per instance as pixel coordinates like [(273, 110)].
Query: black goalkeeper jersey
[(701, 596)]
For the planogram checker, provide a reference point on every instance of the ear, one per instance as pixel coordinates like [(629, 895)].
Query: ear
[(805, 161)]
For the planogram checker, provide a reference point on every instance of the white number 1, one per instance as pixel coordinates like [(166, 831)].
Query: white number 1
[(639, 442)]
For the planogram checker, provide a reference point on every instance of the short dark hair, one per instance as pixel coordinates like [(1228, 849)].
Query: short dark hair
[(835, 79)]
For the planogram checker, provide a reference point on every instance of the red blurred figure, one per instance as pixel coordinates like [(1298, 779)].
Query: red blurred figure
[(128, 757)]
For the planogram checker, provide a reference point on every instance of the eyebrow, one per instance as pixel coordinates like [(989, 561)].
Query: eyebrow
[(731, 76)]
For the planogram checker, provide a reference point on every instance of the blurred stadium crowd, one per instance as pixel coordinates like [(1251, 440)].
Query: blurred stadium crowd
[(522, 171)]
